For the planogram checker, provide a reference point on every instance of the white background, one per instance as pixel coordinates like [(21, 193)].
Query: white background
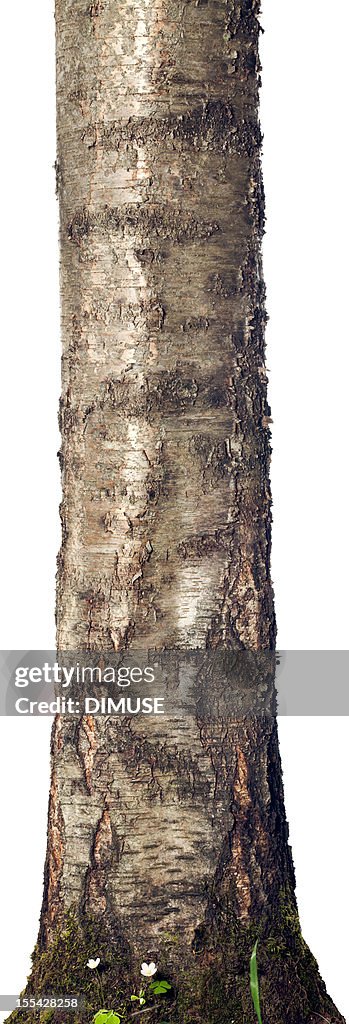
[(304, 118)]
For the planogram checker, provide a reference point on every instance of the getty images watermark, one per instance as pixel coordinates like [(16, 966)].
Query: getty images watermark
[(56, 678), (182, 682)]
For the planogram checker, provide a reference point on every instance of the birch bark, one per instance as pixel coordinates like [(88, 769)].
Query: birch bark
[(169, 846)]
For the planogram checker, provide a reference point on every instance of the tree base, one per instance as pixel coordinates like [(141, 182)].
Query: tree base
[(210, 982)]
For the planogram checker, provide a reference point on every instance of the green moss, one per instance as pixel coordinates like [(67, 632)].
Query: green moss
[(210, 982), (61, 970), (291, 989)]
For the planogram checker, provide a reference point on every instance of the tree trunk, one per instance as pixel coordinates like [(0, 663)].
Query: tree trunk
[(166, 843)]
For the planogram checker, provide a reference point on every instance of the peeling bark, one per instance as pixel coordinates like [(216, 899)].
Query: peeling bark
[(174, 840)]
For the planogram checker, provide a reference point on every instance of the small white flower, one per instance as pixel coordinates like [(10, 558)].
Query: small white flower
[(148, 970), (92, 964)]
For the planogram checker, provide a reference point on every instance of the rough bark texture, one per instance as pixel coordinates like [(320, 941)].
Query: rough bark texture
[(166, 843)]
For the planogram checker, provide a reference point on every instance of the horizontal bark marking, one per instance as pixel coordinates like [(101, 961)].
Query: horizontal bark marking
[(163, 768), (205, 544), (215, 125), (172, 392), (151, 314), (164, 221)]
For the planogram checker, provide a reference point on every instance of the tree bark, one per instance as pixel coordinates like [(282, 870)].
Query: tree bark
[(167, 844)]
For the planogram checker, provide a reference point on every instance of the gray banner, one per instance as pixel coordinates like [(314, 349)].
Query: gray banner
[(205, 683), (40, 1003)]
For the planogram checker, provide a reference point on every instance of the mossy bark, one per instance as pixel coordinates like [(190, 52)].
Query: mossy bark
[(211, 983), (167, 844)]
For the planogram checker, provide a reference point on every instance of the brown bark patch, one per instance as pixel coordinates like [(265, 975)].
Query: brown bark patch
[(54, 861), (95, 895), (87, 746)]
